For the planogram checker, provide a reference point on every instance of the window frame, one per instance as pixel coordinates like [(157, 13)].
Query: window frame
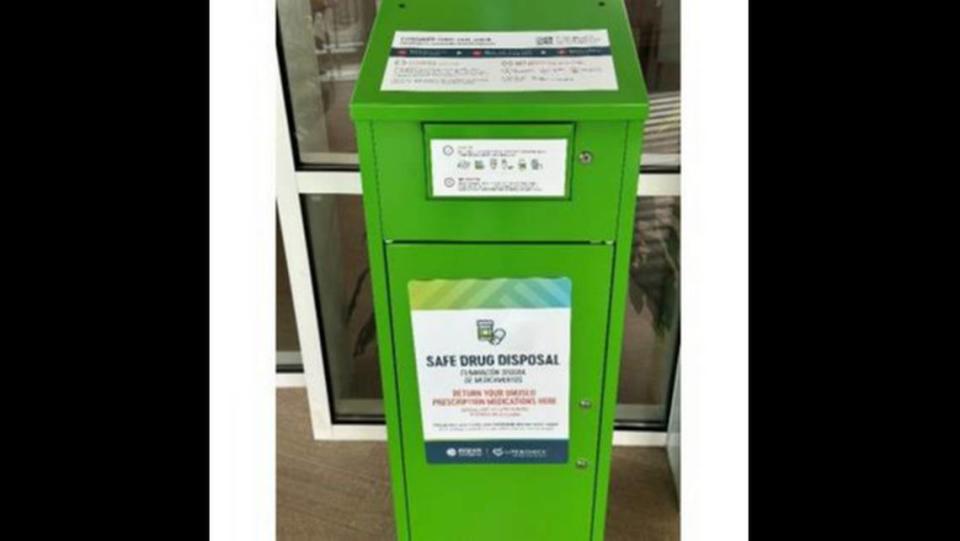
[(660, 176), (650, 163)]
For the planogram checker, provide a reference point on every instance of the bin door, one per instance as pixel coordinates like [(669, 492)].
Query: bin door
[(496, 346)]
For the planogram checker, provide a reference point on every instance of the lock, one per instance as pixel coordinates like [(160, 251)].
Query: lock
[(585, 157)]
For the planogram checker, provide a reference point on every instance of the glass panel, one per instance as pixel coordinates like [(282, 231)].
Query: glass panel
[(656, 30), (651, 336), (336, 237), (288, 341), (323, 42)]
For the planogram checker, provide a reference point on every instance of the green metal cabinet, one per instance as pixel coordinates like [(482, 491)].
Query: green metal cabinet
[(495, 241)]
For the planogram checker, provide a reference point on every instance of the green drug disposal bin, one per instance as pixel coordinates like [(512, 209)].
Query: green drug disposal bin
[(499, 146)]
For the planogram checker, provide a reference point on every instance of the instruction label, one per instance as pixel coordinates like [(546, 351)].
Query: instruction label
[(498, 167), (500, 61), (493, 368)]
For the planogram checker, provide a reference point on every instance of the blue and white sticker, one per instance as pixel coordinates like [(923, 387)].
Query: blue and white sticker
[(565, 60), (497, 452)]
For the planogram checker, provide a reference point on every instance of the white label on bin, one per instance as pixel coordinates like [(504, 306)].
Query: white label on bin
[(493, 368), (568, 60), (498, 167)]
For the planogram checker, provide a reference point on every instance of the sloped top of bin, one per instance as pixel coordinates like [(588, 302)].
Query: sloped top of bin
[(477, 60)]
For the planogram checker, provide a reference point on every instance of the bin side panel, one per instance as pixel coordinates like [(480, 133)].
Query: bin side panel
[(381, 305), (618, 298)]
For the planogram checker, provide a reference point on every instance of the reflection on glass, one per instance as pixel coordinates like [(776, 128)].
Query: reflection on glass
[(341, 275), (656, 31), (288, 342), (651, 334), (323, 43)]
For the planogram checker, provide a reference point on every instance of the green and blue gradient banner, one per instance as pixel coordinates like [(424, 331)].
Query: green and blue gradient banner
[(490, 293)]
